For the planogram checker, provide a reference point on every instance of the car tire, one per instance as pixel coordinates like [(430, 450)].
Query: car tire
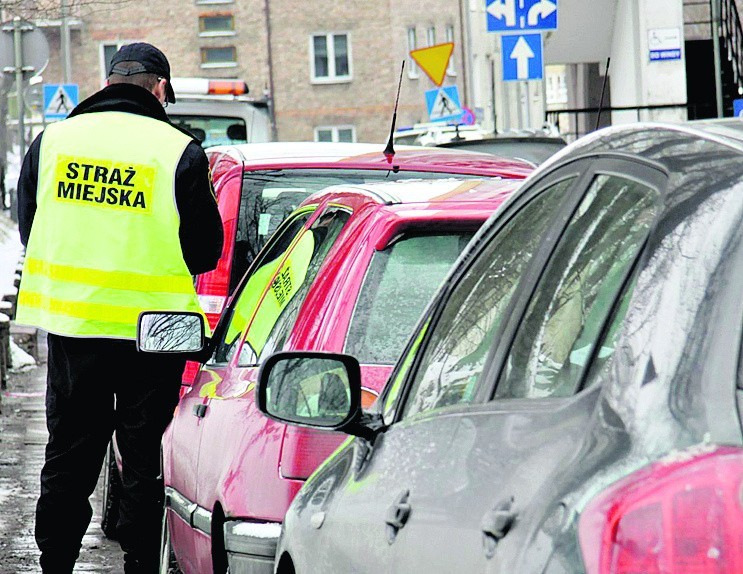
[(111, 494), (168, 563)]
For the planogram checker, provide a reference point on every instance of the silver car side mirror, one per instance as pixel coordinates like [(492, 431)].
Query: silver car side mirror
[(170, 332)]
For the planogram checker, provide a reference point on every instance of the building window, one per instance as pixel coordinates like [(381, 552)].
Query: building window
[(217, 25), (108, 49), (431, 36), (450, 71), (224, 57), (412, 45), (346, 134), (331, 58)]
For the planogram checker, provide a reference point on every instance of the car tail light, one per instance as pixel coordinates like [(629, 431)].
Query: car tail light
[(679, 515), (305, 449)]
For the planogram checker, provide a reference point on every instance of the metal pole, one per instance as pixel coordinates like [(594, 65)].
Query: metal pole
[(18, 46), (715, 26), (524, 95), (65, 44)]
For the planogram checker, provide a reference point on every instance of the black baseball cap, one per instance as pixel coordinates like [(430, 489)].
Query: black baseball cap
[(150, 60)]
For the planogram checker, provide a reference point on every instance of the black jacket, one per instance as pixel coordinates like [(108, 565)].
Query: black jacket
[(200, 228)]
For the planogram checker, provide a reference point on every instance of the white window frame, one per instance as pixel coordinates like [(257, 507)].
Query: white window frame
[(215, 65), (411, 37), (216, 33), (334, 132), (331, 78), (431, 35), (102, 54), (215, 1), (449, 31)]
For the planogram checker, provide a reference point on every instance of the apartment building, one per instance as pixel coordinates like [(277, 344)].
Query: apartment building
[(331, 69)]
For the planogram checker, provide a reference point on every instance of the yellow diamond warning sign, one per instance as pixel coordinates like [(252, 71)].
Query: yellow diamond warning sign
[(434, 60)]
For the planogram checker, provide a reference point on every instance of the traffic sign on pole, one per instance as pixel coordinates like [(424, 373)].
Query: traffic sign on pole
[(528, 15), (522, 57), (59, 99), (443, 104), (434, 60)]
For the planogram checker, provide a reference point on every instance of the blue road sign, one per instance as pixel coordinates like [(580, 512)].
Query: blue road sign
[(521, 15), (59, 100), (443, 104), (522, 57), (738, 108)]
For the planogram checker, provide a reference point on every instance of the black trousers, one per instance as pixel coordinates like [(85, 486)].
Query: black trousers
[(95, 387)]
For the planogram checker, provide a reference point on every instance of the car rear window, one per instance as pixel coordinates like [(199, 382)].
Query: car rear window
[(268, 197), (400, 281), (210, 130)]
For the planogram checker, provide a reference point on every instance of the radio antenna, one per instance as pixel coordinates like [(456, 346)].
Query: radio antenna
[(603, 91), (389, 151)]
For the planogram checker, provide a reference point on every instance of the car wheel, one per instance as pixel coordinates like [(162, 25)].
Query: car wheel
[(168, 563), (111, 494)]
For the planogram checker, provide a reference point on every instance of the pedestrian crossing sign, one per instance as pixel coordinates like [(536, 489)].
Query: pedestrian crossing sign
[(443, 104), (59, 100)]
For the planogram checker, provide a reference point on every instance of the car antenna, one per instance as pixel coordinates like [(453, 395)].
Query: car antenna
[(389, 151), (603, 91)]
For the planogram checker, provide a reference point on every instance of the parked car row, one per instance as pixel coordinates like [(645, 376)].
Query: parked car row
[(337, 269), (568, 400)]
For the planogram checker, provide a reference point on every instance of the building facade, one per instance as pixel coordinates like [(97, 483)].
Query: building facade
[(331, 69)]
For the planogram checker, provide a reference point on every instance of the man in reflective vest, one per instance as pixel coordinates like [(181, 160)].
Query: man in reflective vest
[(123, 215)]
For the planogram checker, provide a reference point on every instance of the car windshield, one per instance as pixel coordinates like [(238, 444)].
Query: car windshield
[(210, 130), (268, 197), (399, 283), (533, 152)]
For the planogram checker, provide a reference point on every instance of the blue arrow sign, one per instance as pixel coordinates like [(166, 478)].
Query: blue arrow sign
[(522, 57), (521, 15), (59, 100), (443, 104)]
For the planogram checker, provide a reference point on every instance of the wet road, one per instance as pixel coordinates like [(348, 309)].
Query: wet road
[(22, 439)]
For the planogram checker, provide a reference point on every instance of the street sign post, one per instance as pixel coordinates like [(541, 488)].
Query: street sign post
[(522, 57), (443, 104), (508, 16), (59, 99)]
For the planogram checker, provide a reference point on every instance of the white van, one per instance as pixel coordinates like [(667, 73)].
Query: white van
[(219, 112)]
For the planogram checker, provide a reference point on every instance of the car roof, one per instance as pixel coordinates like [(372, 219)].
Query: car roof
[(490, 192), (277, 155)]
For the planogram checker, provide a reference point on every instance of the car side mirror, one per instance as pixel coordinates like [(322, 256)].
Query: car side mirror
[(170, 332), (311, 389)]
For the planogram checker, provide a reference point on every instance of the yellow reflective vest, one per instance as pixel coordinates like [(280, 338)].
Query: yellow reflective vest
[(104, 244)]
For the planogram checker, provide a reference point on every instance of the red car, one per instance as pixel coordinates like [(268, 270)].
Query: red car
[(258, 185), (350, 270)]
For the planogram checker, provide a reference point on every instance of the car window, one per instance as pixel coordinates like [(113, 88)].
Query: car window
[(455, 354), (253, 287), (400, 281), (604, 353), (574, 296), (211, 130), (269, 196), (275, 312)]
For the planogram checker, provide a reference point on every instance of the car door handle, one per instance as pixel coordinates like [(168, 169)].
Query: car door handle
[(397, 515), (199, 410), (496, 523)]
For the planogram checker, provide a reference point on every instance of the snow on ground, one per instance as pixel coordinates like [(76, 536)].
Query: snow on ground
[(10, 252), (20, 359)]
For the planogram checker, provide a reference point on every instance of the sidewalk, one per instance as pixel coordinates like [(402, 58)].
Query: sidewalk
[(23, 437)]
